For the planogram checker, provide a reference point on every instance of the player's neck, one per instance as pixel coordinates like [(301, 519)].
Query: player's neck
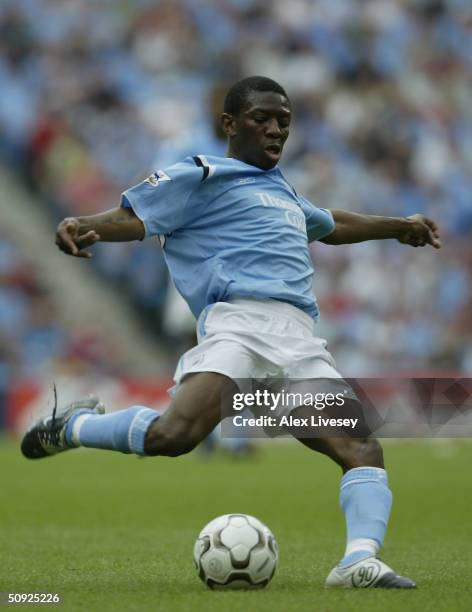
[(230, 154)]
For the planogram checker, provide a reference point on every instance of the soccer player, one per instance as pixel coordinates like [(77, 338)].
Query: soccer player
[(235, 236)]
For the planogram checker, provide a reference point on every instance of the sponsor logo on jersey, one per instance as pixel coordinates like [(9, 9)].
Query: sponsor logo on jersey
[(269, 200), (293, 212), (296, 219)]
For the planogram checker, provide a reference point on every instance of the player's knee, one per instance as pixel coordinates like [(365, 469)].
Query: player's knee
[(361, 452), (169, 442)]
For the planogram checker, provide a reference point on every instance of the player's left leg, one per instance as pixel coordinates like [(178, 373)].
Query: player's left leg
[(366, 501)]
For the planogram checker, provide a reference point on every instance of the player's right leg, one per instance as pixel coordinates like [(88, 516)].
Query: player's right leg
[(194, 412)]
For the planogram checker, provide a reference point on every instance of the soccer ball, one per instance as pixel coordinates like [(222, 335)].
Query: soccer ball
[(235, 551)]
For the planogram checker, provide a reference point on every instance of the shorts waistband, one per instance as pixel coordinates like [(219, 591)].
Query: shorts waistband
[(276, 308)]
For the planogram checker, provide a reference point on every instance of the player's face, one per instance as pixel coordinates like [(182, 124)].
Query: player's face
[(258, 133)]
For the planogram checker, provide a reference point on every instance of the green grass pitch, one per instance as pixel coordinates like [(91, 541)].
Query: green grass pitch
[(112, 532)]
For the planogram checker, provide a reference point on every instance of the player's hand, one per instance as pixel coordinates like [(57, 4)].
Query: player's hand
[(71, 241), (419, 231)]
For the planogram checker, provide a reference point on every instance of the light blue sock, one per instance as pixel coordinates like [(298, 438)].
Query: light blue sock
[(366, 501), (123, 431)]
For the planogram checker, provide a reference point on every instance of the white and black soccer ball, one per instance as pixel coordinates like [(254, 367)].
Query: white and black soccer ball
[(236, 551)]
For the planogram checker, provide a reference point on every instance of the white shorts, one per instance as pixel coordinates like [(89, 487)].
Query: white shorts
[(264, 341), (257, 339)]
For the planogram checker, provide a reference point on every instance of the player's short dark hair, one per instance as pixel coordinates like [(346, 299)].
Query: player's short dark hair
[(237, 96)]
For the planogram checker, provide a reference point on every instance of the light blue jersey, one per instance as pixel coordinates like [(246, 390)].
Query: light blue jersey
[(231, 230)]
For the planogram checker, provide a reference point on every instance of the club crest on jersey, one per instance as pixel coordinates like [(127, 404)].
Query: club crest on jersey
[(155, 179)]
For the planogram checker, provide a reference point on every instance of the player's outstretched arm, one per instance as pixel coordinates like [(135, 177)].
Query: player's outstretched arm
[(416, 230), (74, 234)]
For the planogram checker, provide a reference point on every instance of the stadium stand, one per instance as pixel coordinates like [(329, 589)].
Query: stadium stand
[(96, 95)]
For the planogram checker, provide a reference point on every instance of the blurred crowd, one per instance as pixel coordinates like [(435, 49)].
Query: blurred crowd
[(34, 341), (96, 94)]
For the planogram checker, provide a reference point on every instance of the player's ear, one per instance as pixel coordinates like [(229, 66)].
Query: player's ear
[(228, 124)]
